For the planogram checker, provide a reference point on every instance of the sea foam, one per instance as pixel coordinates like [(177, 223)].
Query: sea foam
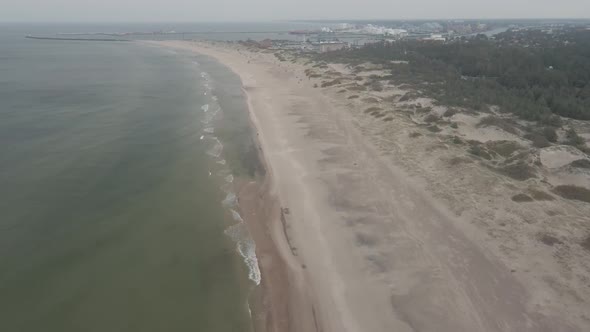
[(247, 249)]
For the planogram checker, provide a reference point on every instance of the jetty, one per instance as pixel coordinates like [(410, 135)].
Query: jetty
[(79, 39)]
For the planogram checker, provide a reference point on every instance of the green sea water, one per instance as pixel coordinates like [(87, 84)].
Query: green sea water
[(115, 193)]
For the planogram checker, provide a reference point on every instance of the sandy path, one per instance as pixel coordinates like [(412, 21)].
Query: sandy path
[(367, 247)]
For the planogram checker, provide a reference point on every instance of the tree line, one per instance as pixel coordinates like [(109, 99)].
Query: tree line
[(534, 74)]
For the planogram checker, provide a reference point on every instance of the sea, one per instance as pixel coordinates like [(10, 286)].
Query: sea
[(117, 202)]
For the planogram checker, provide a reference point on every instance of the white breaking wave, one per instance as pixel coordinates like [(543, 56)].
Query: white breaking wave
[(247, 249), (229, 178), (230, 200), (237, 217), (205, 107), (216, 150)]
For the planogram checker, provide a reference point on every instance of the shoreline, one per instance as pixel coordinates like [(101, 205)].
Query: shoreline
[(274, 299), (349, 238)]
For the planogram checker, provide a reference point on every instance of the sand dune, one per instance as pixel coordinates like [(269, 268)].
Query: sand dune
[(358, 242)]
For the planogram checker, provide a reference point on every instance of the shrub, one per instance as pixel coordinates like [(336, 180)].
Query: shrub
[(406, 97), (353, 97), (572, 138), (449, 112), (550, 134), (552, 120), (376, 86)]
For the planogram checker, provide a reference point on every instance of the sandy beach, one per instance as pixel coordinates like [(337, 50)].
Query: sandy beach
[(361, 227)]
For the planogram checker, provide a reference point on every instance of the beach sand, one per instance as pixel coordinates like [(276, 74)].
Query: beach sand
[(349, 238)]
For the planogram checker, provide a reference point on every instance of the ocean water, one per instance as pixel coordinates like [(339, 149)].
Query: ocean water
[(117, 210)]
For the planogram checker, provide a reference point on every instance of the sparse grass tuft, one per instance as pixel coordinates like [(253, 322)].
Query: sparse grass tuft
[(492, 120), (540, 195), (373, 109), (581, 163), (406, 97), (520, 171), (477, 150), (456, 140), (434, 128), (353, 97), (539, 141), (415, 134), (371, 100), (503, 148), (573, 192), (520, 198), (431, 118), (357, 88), (549, 240), (336, 81)]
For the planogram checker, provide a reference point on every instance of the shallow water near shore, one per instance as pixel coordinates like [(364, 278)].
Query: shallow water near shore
[(117, 205)]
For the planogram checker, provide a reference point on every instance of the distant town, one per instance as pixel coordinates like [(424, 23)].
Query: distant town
[(336, 36)]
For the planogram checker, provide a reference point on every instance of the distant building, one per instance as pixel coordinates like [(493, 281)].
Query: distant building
[(331, 46), (435, 38)]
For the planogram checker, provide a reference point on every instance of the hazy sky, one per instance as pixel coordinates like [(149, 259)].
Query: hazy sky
[(249, 10)]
